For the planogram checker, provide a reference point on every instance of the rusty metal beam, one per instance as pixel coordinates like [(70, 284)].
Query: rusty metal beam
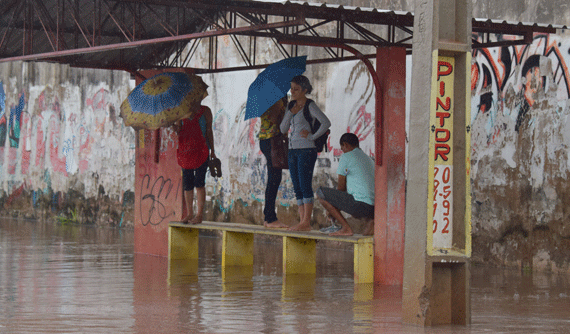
[(117, 46), (57, 30)]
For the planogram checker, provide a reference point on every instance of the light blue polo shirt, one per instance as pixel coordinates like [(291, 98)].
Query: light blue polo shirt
[(358, 168)]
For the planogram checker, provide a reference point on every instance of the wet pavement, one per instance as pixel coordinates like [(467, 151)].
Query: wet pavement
[(81, 279)]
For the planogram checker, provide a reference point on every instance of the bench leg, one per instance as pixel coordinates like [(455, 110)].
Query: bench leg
[(182, 271), (298, 286), (182, 243), (299, 256), (237, 249), (364, 262)]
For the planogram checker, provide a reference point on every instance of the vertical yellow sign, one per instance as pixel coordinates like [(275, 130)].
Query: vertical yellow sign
[(440, 203)]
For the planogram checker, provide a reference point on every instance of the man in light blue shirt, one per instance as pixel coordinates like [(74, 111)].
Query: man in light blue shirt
[(355, 192)]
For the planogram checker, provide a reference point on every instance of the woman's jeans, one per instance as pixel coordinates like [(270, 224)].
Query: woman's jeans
[(273, 181), (301, 165)]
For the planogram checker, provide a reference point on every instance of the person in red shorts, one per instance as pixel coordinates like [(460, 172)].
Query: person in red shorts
[(195, 145)]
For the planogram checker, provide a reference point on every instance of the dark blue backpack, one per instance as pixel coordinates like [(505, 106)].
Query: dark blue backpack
[(321, 142)]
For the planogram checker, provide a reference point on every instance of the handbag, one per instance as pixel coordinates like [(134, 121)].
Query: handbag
[(215, 166), (279, 151)]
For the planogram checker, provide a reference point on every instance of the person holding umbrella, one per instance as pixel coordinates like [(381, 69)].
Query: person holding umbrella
[(268, 129), (302, 150), (267, 99), (195, 145)]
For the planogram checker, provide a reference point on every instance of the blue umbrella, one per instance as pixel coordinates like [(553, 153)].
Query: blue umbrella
[(272, 84)]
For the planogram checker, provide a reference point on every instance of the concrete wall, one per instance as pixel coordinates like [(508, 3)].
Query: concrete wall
[(74, 155), (520, 153), (64, 151)]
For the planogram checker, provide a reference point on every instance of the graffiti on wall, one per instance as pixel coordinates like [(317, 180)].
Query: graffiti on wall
[(3, 121), (67, 133), (513, 76), (155, 196), (15, 121)]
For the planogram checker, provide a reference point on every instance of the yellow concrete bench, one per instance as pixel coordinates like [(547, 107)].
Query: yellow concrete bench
[(299, 248)]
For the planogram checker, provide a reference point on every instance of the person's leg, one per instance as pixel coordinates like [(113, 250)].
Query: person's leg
[(200, 201), (306, 164), (189, 199), (188, 186), (358, 210), (369, 230), (345, 228), (274, 176), (364, 211), (294, 171), (200, 183), (336, 201)]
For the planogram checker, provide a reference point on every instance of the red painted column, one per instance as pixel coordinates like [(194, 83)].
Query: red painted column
[(390, 178), (158, 187)]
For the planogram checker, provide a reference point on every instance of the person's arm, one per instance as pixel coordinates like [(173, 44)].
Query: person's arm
[(286, 122), (341, 183), (209, 132), (325, 122), (341, 171)]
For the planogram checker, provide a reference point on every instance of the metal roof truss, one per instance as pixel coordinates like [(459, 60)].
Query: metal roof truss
[(134, 35)]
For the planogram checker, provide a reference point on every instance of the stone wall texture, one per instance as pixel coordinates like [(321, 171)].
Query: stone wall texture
[(66, 155)]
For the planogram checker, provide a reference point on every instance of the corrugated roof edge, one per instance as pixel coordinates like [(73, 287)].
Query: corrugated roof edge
[(528, 24), (404, 13)]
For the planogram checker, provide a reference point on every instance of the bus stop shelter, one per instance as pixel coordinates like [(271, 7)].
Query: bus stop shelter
[(424, 250)]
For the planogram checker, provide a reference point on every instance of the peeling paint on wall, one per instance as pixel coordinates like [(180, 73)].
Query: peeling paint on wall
[(520, 152), (60, 136)]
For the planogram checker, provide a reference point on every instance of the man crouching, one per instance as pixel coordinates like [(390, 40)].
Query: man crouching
[(355, 191)]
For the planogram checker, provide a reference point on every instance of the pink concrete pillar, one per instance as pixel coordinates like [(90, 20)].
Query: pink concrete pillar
[(158, 186), (390, 202)]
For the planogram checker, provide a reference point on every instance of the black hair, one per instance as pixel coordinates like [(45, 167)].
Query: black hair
[(350, 138), (304, 82)]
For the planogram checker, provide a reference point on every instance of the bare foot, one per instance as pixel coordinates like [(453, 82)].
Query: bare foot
[(301, 227), (342, 231), (186, 219), (275, 224), (196, 220)]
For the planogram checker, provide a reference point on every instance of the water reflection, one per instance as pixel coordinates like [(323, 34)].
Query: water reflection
[(59, 279), (52, 276)]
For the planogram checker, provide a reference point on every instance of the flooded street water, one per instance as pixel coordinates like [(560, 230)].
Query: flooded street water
[(80, 279)]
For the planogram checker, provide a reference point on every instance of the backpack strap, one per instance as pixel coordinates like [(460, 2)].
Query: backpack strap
[(307, 114)]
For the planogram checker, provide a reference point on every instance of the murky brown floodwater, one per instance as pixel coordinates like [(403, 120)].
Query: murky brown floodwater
[(71, 279)]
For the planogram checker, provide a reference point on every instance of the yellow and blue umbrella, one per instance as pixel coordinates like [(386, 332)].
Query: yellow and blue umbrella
[(162, 100), (272, 84)]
